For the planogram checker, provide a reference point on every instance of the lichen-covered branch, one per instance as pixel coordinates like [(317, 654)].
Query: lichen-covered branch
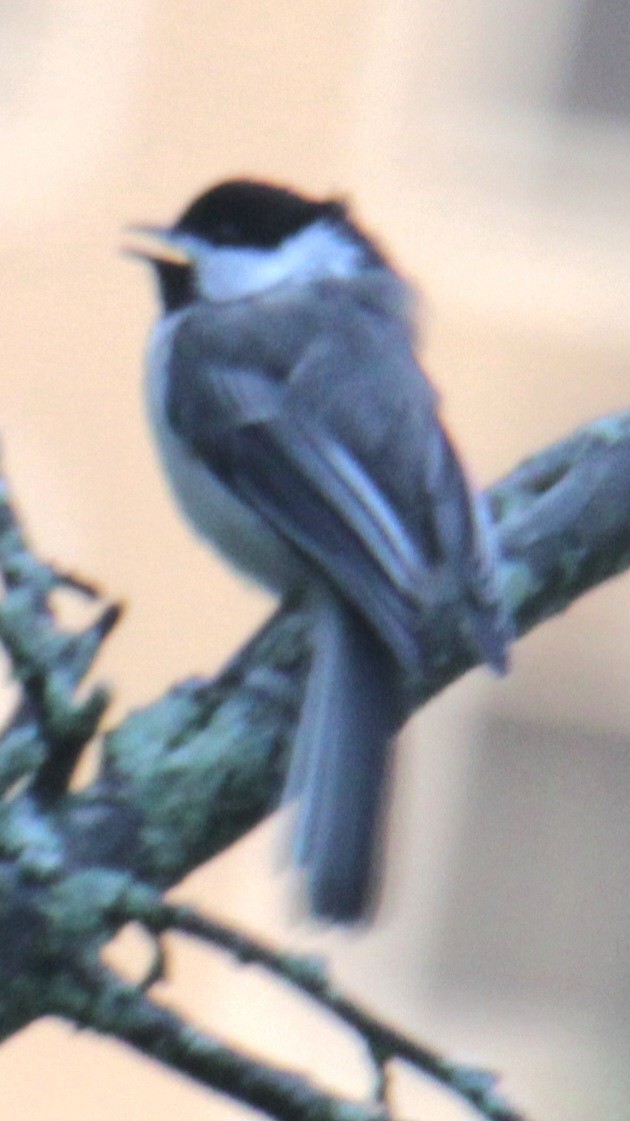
[(187, 776), (101, 1001), (308, 975)]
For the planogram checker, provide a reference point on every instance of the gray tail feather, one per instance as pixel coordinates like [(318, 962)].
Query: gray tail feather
[(340, 760)]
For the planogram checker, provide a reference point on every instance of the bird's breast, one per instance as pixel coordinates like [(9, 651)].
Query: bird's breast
[(237, 531)]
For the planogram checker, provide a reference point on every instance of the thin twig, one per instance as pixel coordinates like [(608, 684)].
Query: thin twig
[(308, 974), (99, 1000)]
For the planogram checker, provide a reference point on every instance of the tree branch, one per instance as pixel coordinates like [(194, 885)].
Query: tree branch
[(308, 975), (190, 774), (203, 765), (102, 1002)]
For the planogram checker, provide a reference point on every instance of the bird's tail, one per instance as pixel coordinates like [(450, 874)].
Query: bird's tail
[(340, 759)]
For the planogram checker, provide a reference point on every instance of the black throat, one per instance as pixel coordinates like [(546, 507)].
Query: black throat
[(176, 284)]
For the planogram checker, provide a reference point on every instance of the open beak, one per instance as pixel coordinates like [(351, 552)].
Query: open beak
[(161, 244)]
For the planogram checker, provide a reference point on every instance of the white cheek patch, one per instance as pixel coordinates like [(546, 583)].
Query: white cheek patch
[(232, 272)]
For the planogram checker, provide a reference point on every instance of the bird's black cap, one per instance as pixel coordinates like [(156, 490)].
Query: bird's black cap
[(252, 214), (243, 212)]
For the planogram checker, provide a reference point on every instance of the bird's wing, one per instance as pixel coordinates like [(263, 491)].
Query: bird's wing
[(289, 457), (308, 486)]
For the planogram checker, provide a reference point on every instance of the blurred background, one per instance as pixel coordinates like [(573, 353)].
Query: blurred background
[(489, 146)]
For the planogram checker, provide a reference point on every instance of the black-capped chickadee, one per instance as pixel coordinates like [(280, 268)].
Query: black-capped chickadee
[(301, 437)]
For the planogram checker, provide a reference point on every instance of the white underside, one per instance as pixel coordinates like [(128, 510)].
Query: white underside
[(235, 530)]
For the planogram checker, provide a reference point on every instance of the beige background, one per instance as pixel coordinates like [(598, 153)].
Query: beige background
[(457, 130)]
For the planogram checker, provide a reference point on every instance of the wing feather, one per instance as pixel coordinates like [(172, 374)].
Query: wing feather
[(387, 515)]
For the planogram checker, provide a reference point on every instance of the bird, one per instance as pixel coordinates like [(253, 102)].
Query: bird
[(302, 439)]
